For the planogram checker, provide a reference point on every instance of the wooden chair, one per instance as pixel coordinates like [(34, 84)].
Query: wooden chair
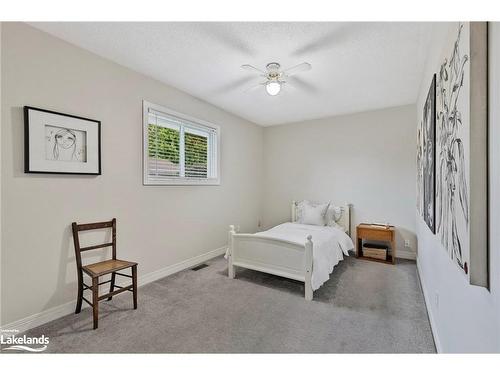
[(96, 270)]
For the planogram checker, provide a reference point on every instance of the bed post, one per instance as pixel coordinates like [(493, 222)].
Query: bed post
[(230, 244), (294, 211), (308, 270), (349, 212)]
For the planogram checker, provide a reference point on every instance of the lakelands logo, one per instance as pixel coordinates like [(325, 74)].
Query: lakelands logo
[(10, 342)]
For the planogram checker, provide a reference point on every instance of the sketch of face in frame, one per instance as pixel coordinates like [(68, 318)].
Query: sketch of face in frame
[(65, 139), (65, 144)]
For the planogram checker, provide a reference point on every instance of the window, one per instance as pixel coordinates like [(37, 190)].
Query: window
[(178, 149)]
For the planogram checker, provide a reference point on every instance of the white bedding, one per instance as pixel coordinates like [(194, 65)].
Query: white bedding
[(330, 244)]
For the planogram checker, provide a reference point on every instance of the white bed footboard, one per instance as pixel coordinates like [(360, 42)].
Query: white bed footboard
[(277, 257)]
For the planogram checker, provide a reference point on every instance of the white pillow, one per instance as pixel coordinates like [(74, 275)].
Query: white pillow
[(333, 214), (313, 214), (299, 212)]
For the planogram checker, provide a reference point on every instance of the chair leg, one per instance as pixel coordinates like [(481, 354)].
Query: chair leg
[(112, 285), (79, 299), (95, 300), (134, 284)]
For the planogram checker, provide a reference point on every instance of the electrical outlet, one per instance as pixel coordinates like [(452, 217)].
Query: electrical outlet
[(436, 298), (407, 243)]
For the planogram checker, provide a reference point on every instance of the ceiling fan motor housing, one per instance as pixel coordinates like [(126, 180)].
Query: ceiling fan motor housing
[(275, 78), (273, 71), (274, 66)]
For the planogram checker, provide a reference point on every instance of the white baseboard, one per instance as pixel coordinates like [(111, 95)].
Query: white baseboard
[(437, 342), (174, 268), (405, 254), (40, 318), (57, 312)]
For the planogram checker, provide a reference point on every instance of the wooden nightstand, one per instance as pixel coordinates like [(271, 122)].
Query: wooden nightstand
[(376, 233)]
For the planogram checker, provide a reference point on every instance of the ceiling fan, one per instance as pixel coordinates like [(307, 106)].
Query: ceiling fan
[(275, 77)]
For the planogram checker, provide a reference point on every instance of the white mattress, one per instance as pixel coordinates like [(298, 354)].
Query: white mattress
[(329, 246)]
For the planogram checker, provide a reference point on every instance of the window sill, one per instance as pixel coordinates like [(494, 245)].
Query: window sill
[(178, 182)]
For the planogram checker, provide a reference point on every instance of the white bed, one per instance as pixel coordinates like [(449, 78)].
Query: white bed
[(302, 252)]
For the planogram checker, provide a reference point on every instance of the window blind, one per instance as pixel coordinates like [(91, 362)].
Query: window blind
[(196, 154), (163, 148), (179, 149)]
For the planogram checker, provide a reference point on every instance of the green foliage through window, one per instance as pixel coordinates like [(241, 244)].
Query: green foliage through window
[(196, 149), (164, 143)]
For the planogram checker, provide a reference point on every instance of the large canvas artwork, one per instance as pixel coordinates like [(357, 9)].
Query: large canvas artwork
[(428, 157), (453, 149)]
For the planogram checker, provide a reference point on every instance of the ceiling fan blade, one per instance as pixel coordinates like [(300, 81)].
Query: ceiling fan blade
[(254, 87), (252, 68), (341, 33), (233, 85), (224, 33), (300, 84), (297, 68)]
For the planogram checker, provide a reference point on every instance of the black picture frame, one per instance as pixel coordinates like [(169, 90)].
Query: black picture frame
[(429, 154), (27, 167)]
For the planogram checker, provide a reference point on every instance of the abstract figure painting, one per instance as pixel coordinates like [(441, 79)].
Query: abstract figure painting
[(428, 157), (452, 151), (453, 127), (61, 143)]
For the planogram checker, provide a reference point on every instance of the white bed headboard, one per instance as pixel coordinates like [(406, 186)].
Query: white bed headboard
[(344, 220)]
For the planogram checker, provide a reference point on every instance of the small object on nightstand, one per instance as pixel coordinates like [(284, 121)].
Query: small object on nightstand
[(380, 233), (382, 225)]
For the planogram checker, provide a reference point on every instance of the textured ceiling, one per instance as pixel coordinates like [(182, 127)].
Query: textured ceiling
[(355, 66)]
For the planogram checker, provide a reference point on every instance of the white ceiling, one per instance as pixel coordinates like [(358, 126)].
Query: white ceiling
[(355, 66)]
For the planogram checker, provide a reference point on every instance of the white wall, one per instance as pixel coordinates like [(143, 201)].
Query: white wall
[(0, 172), (366, 159), (464, 318), (157, 226)]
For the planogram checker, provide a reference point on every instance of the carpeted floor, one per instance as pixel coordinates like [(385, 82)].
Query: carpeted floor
[(365, 307)]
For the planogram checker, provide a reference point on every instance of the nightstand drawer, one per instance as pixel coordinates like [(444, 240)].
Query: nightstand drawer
[(378, 235)]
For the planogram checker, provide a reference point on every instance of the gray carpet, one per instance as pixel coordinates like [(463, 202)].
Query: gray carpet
[(365, 307)]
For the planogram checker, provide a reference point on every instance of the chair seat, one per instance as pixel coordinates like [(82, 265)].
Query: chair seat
[(107, 266)]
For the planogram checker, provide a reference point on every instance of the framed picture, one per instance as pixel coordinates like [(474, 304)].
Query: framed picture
[(462, 153), (428, 135), (60, 143)]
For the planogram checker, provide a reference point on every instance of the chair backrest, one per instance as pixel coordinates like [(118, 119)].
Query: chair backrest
[(91, 226)]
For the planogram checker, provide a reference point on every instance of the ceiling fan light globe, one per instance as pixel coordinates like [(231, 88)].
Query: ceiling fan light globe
[(273, 88)]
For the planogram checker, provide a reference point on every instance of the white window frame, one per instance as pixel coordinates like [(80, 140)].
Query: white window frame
[(146, 107)]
